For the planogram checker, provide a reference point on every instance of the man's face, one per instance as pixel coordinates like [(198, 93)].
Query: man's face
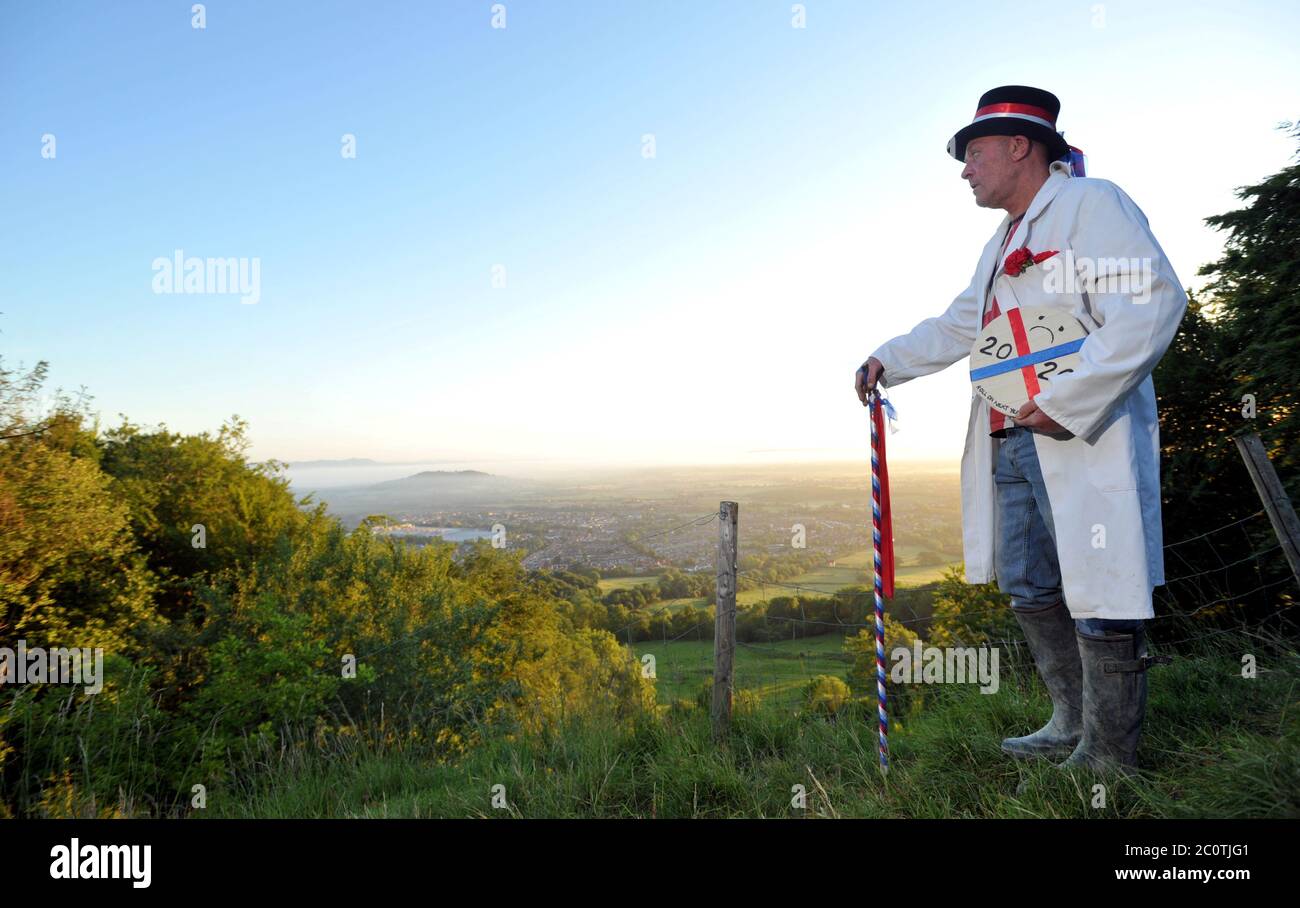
[(990, 169)]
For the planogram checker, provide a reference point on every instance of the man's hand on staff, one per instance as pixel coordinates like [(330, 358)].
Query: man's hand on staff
[(867, 375), (1033, 418)]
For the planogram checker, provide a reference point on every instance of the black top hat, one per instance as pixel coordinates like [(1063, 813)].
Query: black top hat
[(1014, 110)]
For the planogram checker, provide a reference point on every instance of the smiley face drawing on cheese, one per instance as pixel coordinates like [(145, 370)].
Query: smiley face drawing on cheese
[(1019, 351)]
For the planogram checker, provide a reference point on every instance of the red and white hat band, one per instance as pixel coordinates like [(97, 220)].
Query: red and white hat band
[(1019, 111)]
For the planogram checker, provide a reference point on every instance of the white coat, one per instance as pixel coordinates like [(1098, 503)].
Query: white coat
[(1103, 480)]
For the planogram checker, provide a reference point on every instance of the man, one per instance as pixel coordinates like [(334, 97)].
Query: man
[(1062, 502)]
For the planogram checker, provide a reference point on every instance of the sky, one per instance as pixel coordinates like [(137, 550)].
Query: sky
[(606, 233)]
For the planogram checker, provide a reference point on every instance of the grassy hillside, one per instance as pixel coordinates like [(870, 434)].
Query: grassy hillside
[(1215, 745)]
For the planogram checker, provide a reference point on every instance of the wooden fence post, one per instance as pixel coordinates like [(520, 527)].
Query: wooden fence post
[(724, 625), (1280, 512)]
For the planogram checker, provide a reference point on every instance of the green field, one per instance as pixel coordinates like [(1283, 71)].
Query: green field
[(624, 583), (850, 570), (858, 563), (676, 605), (777, 671)]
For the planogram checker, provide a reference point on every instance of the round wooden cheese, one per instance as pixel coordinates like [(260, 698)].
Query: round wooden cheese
[(1015, 355)]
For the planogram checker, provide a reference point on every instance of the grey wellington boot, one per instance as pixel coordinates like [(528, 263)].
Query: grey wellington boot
[(1114, 701), (1050, 632)]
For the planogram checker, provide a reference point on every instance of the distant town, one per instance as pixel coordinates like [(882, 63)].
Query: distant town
[(641, 524)]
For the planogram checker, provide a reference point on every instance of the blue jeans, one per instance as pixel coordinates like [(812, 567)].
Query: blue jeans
[(1027, 567)]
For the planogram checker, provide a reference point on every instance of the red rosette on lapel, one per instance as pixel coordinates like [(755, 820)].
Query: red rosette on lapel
[(1021, 259)]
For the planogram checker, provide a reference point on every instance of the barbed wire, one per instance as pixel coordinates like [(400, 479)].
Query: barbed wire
[(1229, 525), (958, 626), (695, 522), (1215, 530), (787, 691), (778, 649), (1003, 645), (1221, 567), (1202, 608)]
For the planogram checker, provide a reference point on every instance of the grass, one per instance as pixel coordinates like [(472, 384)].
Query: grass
[(776, 671), (625, 583), (1215, 745)]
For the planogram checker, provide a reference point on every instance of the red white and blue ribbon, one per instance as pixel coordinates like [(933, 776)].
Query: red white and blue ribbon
[(882, 538)]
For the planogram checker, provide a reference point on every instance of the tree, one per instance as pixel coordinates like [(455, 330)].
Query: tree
[(1200, 411), (69, 572), (825, 695), (1231, 369), (197, 507), (1256, 296), (862, 647), (967, 614)]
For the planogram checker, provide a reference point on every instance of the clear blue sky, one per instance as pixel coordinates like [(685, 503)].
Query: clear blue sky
[(701, 305)]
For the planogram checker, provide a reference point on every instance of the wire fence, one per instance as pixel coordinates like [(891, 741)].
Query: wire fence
[(790, 633)]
